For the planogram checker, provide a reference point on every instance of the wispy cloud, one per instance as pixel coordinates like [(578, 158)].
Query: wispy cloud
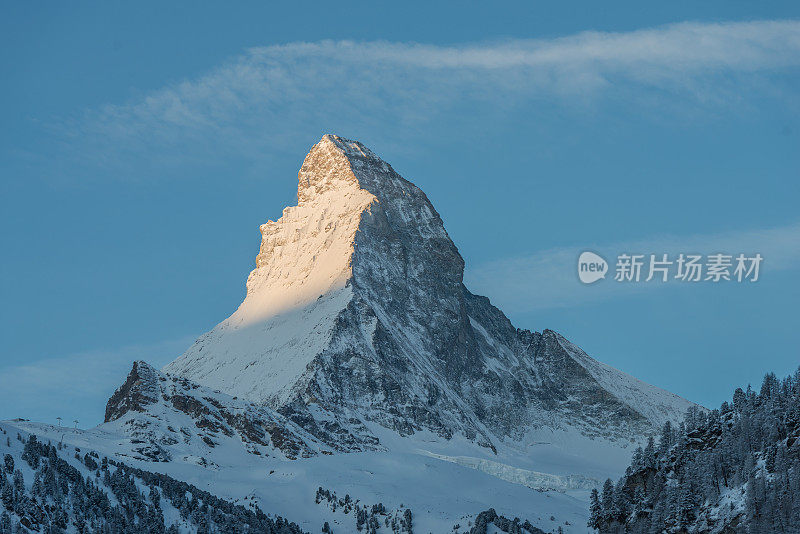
[(265, 99), (548, 279), (76, 385)]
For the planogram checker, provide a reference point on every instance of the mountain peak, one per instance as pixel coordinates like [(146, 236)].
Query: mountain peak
[(357, 313), (331, 165), (348, 147)]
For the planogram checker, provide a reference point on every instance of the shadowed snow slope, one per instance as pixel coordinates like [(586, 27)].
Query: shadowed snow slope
[(356, 316)]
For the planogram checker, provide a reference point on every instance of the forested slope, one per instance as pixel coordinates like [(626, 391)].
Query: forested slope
[(733, 469)]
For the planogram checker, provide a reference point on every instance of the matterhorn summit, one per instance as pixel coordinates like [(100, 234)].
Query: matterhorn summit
[(356, 319), (358, 380)]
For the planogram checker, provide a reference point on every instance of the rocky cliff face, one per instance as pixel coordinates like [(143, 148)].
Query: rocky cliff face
[(356, 315), (164, 416)]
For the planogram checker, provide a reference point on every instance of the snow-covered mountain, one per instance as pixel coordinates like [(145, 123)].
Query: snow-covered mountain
[(356, 313), (360, 380)]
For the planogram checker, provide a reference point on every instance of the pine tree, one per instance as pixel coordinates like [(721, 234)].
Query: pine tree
[(595, 510), (7, 495), (666, 439), (19, 482), (608, 500), (621, 502), (639, 501), (407, 521), (649, 454), (8, 462)]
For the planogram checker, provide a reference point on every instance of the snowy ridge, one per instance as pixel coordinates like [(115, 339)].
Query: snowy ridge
[(656, 404), (166, 417)]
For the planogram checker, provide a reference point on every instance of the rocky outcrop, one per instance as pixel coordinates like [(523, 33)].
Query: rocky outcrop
[(163, 414), (135, 394)]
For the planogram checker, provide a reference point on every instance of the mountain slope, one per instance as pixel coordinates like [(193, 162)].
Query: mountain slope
[(356, 315), (46, 487), (440, 494)]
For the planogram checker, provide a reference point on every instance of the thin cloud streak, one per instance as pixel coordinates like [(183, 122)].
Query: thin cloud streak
[(751, 45), (271, 97), (548, 279)]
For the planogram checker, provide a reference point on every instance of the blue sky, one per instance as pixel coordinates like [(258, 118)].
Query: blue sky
[(143, 145)]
